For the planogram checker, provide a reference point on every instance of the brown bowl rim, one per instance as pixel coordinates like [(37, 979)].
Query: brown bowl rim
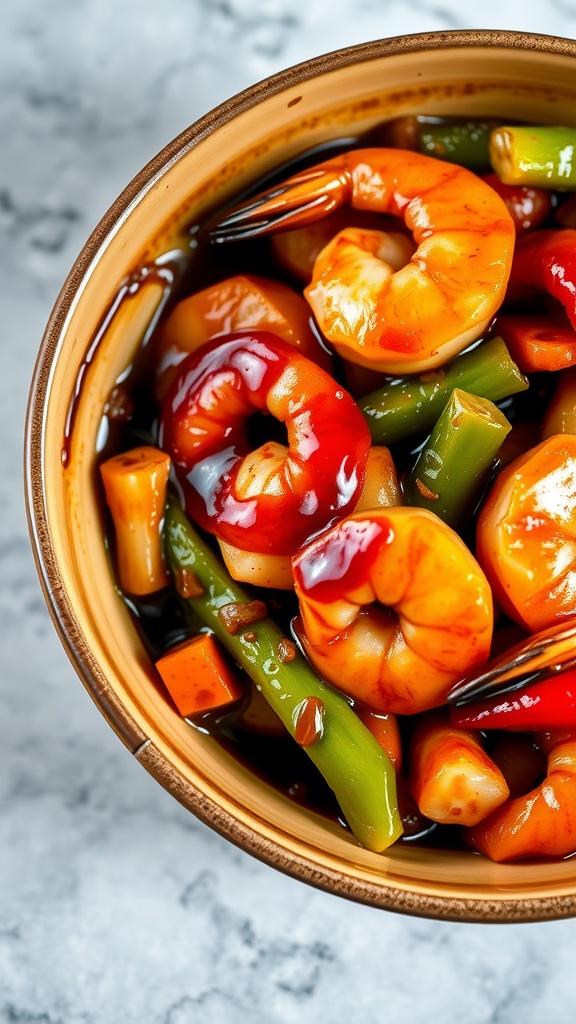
[(515, 909)]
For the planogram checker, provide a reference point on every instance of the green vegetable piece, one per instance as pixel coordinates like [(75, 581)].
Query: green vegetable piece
[(411, 405), (464, 143), (541, 156), (452, 468), (352, 762)]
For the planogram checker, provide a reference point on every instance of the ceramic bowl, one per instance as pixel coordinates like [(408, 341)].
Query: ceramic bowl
[(510, 75)]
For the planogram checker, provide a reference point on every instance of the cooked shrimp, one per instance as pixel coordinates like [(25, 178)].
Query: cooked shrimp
[(272, 498), (394, 608), (243, 302), (452, 779), (540, 824), (409, 319), (526, 536), (381, 488), (297, 250)]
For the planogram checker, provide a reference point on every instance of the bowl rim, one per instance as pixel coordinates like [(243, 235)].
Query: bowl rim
[(384, 896)]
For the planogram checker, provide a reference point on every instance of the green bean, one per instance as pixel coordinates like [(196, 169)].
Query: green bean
[(411, 405), (540, 156), (463, 143), (352, 762), (453, 466)]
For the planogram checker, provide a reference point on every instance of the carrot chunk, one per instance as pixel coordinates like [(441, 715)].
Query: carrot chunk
[(135, 485), (538, 342), (197, 676)]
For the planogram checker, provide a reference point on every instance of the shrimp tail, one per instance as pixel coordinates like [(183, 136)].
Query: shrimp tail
[(302, 199)]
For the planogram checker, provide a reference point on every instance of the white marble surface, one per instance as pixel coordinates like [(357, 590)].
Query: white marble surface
[(115, 904)]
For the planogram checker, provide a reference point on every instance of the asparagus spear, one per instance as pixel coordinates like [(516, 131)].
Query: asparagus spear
[(452, 468), (321, 720), (411, 405), (463, 143), (543, 156)]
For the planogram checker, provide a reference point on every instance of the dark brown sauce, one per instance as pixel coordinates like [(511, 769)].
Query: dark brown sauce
[(166, 271), (164, 620)]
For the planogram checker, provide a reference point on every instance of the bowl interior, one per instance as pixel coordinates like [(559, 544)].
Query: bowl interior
[(92, 338)]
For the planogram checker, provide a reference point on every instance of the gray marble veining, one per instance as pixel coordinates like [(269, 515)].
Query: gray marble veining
[(115, 904)]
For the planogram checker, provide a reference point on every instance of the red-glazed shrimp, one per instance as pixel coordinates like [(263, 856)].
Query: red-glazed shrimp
[(540, 824), (274, 498), (394, 608), (396, 320)]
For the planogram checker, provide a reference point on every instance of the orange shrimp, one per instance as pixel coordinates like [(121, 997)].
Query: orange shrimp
[(540, 824), (394, 608), (395, 320), (526, 535), (242, 302), (380, 489), (297, 250)]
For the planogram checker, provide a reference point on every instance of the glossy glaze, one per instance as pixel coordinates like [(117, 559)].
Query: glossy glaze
[(274, 498), (362, 291), (527, 535), (369, 623)]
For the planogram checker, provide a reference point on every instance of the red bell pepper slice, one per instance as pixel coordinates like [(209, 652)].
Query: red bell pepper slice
[(546, 260), (538, 341), (550, 704)]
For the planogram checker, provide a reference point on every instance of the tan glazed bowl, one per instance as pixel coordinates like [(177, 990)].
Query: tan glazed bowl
[(509, 75)]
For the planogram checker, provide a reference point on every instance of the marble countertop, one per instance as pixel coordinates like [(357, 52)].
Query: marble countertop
[(115, 903)]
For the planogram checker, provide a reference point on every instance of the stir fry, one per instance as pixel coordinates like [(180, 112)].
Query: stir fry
[(358, 485)]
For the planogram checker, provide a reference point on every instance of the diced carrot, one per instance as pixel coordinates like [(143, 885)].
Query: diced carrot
[(538, 342), (135, 484), (197, 676)]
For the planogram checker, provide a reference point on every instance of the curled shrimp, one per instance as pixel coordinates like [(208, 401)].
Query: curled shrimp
[(541, 823), (272, 498), (394, 608), (526, 535), (409, 319)]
